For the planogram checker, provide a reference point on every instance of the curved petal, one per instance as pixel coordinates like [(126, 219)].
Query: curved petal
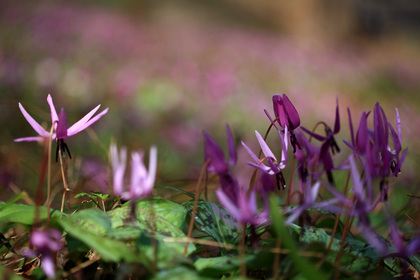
[(54, 116), (292, 113), (152, 169), (79, 126), (36, 126), (250, 152), (30, 139), (118, 162), (264, 147)]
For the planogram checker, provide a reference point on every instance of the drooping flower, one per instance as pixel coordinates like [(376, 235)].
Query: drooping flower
[(46, 243), (285, 112), (245, 209), (274, 166), (286, 115), (329, 144), (141, 180), (219, 165), (309, 201), (60, 130), (214, 153), (307, 158)]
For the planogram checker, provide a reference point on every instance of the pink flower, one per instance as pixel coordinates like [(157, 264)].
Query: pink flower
[(141, 181), (60, 124)]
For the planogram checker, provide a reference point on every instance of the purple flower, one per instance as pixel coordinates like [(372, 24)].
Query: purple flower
[(286, 115), (309, 201), (141, 180), (47, 243), (212, 151), (373, 149), (285, 112), (220, 166), (245, 209), (328, 143), (274, 166), (399, 248), (307, 158)]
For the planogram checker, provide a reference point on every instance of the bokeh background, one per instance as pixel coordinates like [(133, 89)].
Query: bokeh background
[(170, 69)]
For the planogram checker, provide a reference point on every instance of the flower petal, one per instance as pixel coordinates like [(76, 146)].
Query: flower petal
[(54, 116), (264, 147), (292, 113), (85, 122), (31, 139), (36, 126)]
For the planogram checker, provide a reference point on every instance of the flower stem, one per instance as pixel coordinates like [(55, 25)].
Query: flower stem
[(194, 211), (49, 173), (65, 185)]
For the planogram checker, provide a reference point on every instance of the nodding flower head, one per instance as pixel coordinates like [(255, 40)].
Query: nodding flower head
[(285, 113), (274, 166), (141, 180), (60, 126), (287, 116), (214, 153), (329, 144)]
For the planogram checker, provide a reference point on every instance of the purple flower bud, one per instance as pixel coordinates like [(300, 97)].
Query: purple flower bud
[(285, 112)]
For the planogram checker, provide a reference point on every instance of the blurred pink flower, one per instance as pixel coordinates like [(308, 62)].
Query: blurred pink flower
[(141, 181)]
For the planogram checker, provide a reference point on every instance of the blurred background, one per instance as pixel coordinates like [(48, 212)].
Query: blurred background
[(170, 69)]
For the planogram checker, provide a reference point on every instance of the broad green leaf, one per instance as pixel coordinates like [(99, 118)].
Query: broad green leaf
[(24, 214), (93, 220), (171, 211), (214, 220), (125, 226), (109, 249), (168, 254), (218, 266)]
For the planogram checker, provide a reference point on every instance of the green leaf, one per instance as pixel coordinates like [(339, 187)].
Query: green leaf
[(171, 211), (214, 220), (125, 226), (218, 266), (24, 214), (109, 249), (93, 220), (100, 195)]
